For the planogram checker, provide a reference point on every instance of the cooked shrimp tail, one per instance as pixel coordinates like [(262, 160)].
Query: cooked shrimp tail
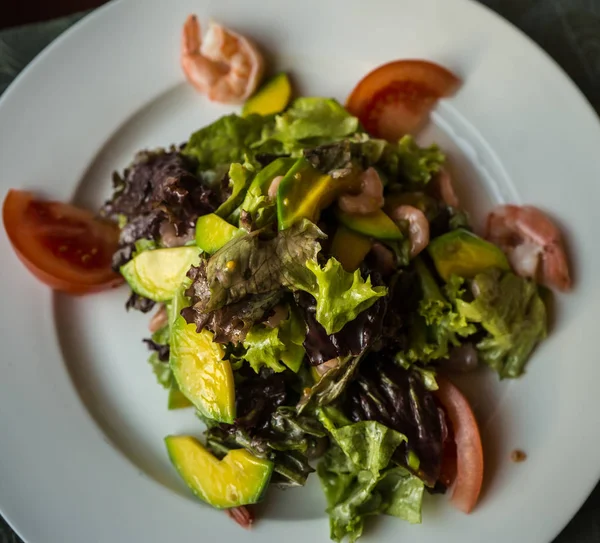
[(225, 66), (532, 243)]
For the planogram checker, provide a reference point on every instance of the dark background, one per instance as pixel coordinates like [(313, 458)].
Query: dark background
[(18, 12)]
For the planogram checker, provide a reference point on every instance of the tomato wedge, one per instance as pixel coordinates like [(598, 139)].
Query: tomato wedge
[(65, 247), (396, 98), (469, 452)]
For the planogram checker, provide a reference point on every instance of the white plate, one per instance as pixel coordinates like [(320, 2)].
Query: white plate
[(81, 418)]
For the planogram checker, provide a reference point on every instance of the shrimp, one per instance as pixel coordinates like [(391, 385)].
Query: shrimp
[(418, 227), (444, 190), (242, 515), (159, 319), (226, 67), (532, 243), (369, 199)]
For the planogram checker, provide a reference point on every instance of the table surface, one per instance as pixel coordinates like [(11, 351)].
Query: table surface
[(569, 30)]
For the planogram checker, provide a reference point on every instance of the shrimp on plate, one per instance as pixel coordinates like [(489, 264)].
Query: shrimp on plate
[(532, 243), (225, 66)]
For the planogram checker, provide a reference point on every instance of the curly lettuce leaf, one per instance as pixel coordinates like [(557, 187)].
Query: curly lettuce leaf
[(310, 121), (269, 347), (510, 310), (230, 324), (437, 325), (418, 164), (404, 161), (225, 141), (249, 265), (340, 295), (264, 348)]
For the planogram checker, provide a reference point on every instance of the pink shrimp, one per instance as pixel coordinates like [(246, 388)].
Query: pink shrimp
[(444, 190), (227, 67), (369, 199), (159, 319), (532, 243), (418, 227), (242, 515)]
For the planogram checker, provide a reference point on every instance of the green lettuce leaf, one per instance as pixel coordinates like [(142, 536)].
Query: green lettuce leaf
[(436, 327), (251, 265), (264, 348), (340, 295), (270, 346), (369, 445), (404, 159), (331, 384), (226, 140), (357, 478), (240, 177), (512, 313), (142, 245), (309, 122), (418, 164), (161, 368)]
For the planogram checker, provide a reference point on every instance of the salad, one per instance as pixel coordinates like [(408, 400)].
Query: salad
[(315, 286)]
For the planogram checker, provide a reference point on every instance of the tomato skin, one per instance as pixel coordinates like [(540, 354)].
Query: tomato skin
[(395, 99), (469, 451), (65, 247)]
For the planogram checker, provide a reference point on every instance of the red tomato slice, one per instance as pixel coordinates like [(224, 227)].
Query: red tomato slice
[(396, 98), (469, 452), (63, 246)]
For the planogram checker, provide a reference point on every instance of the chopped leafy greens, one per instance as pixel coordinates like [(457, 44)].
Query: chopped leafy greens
[(512, 313), (310, 122), (340, 295), (321, 361), (358, 479), (225, 141)]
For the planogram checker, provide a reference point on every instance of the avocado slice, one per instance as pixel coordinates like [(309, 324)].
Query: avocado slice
[(177, 400), (376, 225), (305, 191), (462, 253), (240, 478), (273, 97), (212, 232), (197, 364), (158, 274), (349, 248)]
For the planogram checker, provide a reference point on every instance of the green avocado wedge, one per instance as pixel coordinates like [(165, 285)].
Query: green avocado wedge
[(202, 375), (177, 400), (158, 274), (376, 225), (305, 191), (240, 478), (273, 97), (213, 232), (349, 248), (462, 253)]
